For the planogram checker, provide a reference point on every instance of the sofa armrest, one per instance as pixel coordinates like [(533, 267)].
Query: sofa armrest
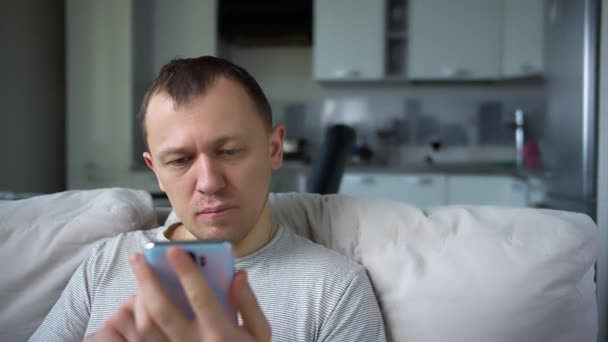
[(43, 239)]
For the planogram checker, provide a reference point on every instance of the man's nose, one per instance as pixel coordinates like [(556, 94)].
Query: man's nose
[(210, 176)]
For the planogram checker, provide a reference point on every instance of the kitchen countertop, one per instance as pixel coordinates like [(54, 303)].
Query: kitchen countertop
[(464, 168)]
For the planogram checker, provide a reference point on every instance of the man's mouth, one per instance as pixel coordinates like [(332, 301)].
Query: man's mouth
[(215, 211)]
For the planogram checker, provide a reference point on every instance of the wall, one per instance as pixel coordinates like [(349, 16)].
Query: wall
[(602, 174), (284, 73), (32, 90)]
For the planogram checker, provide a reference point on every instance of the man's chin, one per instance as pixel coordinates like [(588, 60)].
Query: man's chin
[(215, 232)]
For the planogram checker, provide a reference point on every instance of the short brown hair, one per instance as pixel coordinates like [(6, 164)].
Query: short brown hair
[(184, 78)]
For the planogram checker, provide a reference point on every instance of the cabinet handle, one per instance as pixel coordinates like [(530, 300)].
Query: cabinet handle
[(354, 73), (517, 187), (454, 72), (426, 181), (342, 73), (368, 180), (527, 68), (461, 72)]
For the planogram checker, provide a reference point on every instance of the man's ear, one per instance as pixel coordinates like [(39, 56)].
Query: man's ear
[(148, 159), (277, 136), (150, 162)]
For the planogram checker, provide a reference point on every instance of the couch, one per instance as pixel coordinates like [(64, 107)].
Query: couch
[(455, 273)]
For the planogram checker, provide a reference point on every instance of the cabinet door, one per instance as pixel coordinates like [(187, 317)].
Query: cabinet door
[(418, 190), (288, 181), (486, 190), (113, 50), (457, 40), (348, 39), (523, 38), (184, 30)]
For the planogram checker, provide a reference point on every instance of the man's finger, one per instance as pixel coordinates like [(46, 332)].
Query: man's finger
[(106, 334), (246, 303), (154, 308), (205, 305), (124, 321), (146, 327)]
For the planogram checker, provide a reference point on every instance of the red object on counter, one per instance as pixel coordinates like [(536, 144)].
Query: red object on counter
[(532, 157)]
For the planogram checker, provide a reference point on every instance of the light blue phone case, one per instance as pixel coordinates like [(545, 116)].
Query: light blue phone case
[(213, 258)]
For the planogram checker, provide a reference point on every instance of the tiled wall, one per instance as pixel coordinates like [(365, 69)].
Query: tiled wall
[(469, 118), (393, 119)]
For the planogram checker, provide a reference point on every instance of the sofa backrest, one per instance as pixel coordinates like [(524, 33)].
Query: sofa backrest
[(443, 274), (462, 273)]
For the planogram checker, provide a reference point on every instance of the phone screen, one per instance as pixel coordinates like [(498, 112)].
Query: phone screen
[(213, 258)]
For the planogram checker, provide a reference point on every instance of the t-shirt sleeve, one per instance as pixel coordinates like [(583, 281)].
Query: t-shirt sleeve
[(68, 319), (356, 316)]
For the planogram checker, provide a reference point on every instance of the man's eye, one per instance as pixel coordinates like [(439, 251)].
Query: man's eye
[(179, 162), (229, 152)]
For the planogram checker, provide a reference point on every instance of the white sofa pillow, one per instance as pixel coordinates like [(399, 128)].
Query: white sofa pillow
[(463, 273), (43, 240)]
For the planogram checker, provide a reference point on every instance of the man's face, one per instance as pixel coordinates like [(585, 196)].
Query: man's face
[(213, 157)]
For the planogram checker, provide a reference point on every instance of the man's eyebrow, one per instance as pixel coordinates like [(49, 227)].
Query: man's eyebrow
[(226, 139), (217, 142), (170, 151)]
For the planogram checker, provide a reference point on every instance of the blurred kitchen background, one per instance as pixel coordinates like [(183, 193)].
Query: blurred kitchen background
[(447, 99), (450, 101)]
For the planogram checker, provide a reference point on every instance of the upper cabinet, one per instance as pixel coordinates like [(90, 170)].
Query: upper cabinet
[(422, 40), (349, 39), (523, 38), (455, 39)]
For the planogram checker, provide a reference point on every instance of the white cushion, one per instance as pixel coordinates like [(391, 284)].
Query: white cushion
[(43, 240), (463, 273)]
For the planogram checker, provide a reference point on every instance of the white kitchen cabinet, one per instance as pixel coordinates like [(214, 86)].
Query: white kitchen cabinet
[(113, 50), (421, 190), (500, 190), (349, 39), (433, 189), (288, 180), (455, 40), (523, 38)]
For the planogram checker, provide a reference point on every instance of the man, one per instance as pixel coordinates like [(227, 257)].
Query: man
[(208, 127)]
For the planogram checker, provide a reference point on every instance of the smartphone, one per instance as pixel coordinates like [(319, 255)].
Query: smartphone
[(213, 258)]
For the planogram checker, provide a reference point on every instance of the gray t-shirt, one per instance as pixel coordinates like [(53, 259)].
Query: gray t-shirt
[(307, 292)]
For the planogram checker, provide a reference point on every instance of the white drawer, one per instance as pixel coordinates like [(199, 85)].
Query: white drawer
[(422, 190)]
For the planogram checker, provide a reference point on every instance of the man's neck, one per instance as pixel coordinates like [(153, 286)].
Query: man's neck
[(259, 236)]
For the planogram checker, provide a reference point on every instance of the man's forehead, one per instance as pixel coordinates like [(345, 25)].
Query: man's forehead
[(216, 111), (163, 109), (161, 101)]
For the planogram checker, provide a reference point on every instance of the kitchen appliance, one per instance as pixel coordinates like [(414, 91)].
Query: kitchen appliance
[(568, 136), (296, 149)]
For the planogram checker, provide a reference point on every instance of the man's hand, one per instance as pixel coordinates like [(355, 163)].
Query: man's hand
[(119, 327), (152, 316)]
